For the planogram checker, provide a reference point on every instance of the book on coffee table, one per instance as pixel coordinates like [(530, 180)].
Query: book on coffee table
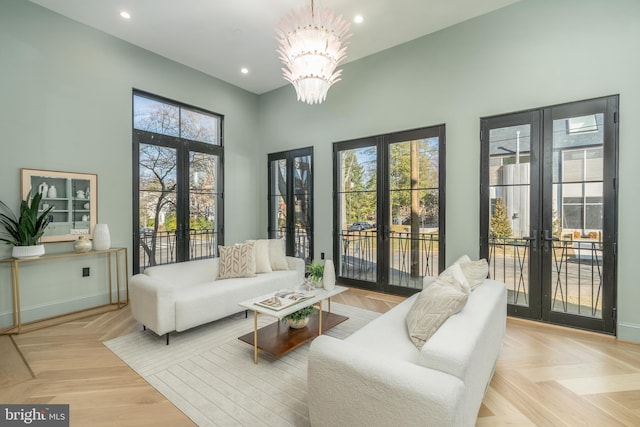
[(283, 299)]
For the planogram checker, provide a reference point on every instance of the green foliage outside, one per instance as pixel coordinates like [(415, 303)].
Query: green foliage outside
[(500, 226)]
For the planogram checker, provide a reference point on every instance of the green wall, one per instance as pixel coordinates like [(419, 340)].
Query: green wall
[(531, 54), (66, 105)]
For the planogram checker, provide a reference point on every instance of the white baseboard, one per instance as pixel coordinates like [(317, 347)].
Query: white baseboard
[(56, 308), (628, 332)]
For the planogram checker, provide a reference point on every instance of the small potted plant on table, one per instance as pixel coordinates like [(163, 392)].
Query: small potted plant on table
[(24, 232), (316, 271), (299, 319)]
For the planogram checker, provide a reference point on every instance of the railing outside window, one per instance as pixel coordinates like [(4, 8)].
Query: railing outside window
[(159, 247), (411, 257), (576, 275)]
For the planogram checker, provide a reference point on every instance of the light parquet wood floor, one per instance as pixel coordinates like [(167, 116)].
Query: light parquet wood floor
[(546, 375)]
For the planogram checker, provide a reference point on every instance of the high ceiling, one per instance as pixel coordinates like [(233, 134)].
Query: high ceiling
[(219, 37)]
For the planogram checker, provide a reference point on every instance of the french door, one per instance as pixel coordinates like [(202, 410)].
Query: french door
[(549, 211), (291, 201), (389, 209)]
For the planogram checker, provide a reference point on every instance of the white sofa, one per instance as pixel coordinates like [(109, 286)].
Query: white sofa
[(378, 377), (176, 297)]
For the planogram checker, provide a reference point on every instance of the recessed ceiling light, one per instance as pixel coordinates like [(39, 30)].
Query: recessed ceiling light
[(125, 14), (244, 70), (358, 19)]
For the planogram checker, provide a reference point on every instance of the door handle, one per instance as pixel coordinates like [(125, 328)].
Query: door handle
[(533, 241), (547, 237)]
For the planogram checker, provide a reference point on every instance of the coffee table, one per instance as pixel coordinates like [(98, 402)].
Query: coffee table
[(277, 338)]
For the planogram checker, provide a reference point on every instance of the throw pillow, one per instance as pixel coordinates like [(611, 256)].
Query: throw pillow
[(277, 255), (475, 272), (263, 262), (237, 261), (453, 276), (431, 309), (464, 258)]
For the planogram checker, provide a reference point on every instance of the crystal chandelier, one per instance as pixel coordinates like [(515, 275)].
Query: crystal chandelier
[(312, 44)]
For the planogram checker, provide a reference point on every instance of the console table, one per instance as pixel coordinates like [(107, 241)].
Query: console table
[(113, 254)]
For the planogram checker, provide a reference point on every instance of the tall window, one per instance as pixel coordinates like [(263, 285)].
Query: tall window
[(291, 200), (178, 161)]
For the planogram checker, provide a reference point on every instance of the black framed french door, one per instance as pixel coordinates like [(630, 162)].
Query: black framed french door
[(291, 200), (389, 209), (549, 211), (177, 200)]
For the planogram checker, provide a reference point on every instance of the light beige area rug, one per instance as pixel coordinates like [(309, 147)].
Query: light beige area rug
[(210, 375)]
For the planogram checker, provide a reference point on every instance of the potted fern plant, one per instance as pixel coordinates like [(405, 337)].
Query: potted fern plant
[(299, 319), (316, 270), (24, 232)]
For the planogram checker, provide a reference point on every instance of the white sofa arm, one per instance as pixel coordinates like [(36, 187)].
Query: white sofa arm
[(350, 386), (298, 265), (152, 303)]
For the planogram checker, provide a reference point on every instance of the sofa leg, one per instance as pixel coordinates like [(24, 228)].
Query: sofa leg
[(144, 328), (246, 314), (167, 334)]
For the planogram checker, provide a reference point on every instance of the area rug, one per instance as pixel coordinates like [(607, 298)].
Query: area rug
[(210, 375)]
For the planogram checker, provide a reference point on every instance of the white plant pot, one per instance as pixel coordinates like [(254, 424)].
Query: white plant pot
[(28, 252), (298, 324)]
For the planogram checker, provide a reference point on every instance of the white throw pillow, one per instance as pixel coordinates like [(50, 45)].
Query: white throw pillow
[(431, 309), (263, 262), (474, 271), (237, 261), (277, 255), (463, 259), (453, 276)]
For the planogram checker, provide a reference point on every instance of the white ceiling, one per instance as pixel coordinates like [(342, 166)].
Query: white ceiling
[(219, 37)]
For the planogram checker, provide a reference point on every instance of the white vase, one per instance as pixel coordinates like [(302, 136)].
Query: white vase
[(52, 193), (329, 276), (101, 237), (28, 252)]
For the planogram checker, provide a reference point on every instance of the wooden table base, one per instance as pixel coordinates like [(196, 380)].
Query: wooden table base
[(278, 338)]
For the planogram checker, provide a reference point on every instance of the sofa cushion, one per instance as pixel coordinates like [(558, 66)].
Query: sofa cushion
[(387, 334), (237, 261), (183, 274), (277, 255), (432, 308), (210, 301), (263, 262), (468, 343)]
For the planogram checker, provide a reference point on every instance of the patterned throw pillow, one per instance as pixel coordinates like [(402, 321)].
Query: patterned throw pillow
[(237, 261), (432, 308), (475, 272)]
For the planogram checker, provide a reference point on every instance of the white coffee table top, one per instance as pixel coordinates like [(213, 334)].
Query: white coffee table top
[(319, 294)]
